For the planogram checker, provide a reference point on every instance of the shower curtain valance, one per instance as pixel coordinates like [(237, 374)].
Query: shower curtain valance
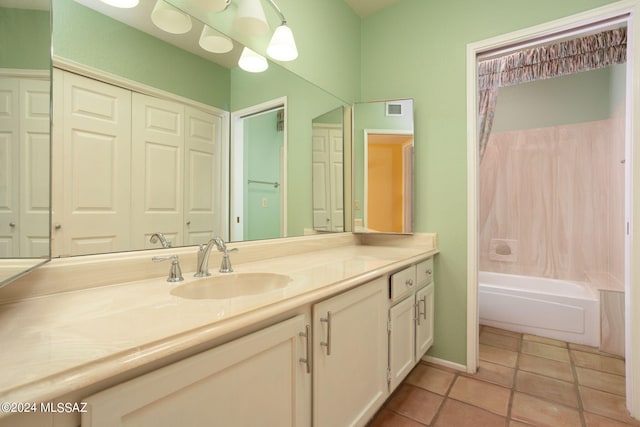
[(571, 56), (559, 59)]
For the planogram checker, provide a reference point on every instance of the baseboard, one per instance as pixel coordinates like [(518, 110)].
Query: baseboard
[(445, 363)]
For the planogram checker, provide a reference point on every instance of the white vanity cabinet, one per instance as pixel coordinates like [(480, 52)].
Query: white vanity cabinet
[(261, 379), (410, 326), (350, 356)]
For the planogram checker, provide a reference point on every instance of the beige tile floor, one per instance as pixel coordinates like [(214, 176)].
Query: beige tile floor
[(522, 380)]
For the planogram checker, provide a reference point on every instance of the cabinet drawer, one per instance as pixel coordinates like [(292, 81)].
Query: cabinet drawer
[(403, 283), (425, 272)]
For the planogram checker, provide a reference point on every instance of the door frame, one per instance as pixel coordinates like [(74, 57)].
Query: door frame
[(236, 151), (628, 10), (367, 132)]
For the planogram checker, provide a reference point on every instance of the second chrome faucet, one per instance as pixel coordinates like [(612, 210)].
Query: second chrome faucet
[(202, 268)]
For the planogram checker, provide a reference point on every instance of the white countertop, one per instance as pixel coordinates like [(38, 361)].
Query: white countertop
[(59, 343)]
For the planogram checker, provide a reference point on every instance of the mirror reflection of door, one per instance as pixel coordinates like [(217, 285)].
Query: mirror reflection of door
[(389, 168), (328, 171), (258, 172)]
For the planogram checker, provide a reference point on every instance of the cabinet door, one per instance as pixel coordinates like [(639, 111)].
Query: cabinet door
[(402, 339), (424, 320), (350, 356), (257, 380)]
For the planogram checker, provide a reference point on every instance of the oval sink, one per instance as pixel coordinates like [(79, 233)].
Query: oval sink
[(231, 286)]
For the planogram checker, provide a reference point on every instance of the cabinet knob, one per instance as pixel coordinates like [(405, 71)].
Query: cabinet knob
[(57, 226), (12, 224), (188, 222), (429, 271), (409, 282)]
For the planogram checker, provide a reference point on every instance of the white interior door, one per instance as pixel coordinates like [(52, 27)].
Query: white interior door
[(157, 185), (337, 173), (203, 139), (34, 167), (9, 167), (95, 164), (321, 179)]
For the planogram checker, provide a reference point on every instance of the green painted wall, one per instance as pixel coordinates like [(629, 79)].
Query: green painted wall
[(304, 102), (25, 37), (262, 145), (417, 49), (85, 36)]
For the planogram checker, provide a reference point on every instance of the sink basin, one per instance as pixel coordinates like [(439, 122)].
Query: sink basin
[(231, 286)]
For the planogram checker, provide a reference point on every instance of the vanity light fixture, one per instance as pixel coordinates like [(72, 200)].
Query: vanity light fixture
[(250, 18), (252, 62), (214, 41), (124, 4), (170, 19), (282, 46)]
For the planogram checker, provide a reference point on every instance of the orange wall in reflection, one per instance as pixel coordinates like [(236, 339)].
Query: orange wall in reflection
[(384, 187)]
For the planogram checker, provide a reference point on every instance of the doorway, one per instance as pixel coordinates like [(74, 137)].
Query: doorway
[(258, 171), (623, 11)]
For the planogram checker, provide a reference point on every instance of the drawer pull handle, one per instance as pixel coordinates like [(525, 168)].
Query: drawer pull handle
[(429, 271), (327, 343), (307, 359), (409, 282)]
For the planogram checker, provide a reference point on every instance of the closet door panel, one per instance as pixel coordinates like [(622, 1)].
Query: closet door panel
[(157, 178), (203, 192), (34, 166), (96, 164), (9, 168)]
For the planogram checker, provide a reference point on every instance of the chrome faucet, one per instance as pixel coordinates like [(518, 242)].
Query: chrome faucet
[(163, 241), (202, 269)]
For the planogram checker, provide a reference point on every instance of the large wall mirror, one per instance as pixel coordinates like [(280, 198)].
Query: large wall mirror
[(25, 69), (147, 126), (383, 166)]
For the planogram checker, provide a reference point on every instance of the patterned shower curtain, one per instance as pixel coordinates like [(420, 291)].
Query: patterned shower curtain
[(559, 59)]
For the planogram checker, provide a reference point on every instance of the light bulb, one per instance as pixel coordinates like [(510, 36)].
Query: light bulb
[(282, 46), (252, 62)]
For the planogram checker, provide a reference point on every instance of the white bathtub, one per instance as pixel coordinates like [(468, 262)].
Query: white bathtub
[(567, 311)]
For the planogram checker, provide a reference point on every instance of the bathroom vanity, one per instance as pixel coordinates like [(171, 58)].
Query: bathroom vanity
[(137, 353)]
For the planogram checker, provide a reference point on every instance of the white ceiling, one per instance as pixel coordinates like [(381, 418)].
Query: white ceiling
[(367, 7)]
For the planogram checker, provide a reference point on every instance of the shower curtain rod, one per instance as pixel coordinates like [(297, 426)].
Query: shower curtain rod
[(554, 37)]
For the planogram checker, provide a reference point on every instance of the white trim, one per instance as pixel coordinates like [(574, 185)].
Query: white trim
[(630, 9), (445, 363), (236, 173), (25, 73)]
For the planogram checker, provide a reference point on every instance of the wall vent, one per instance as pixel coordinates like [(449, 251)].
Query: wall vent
[(394, 109)]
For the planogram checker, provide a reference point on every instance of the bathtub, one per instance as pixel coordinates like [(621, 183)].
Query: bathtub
[(559, 309)]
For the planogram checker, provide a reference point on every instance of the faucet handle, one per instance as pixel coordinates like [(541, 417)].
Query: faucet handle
[(175, 272)]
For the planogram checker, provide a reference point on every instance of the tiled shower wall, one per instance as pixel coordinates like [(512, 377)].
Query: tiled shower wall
[(552, 201)]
